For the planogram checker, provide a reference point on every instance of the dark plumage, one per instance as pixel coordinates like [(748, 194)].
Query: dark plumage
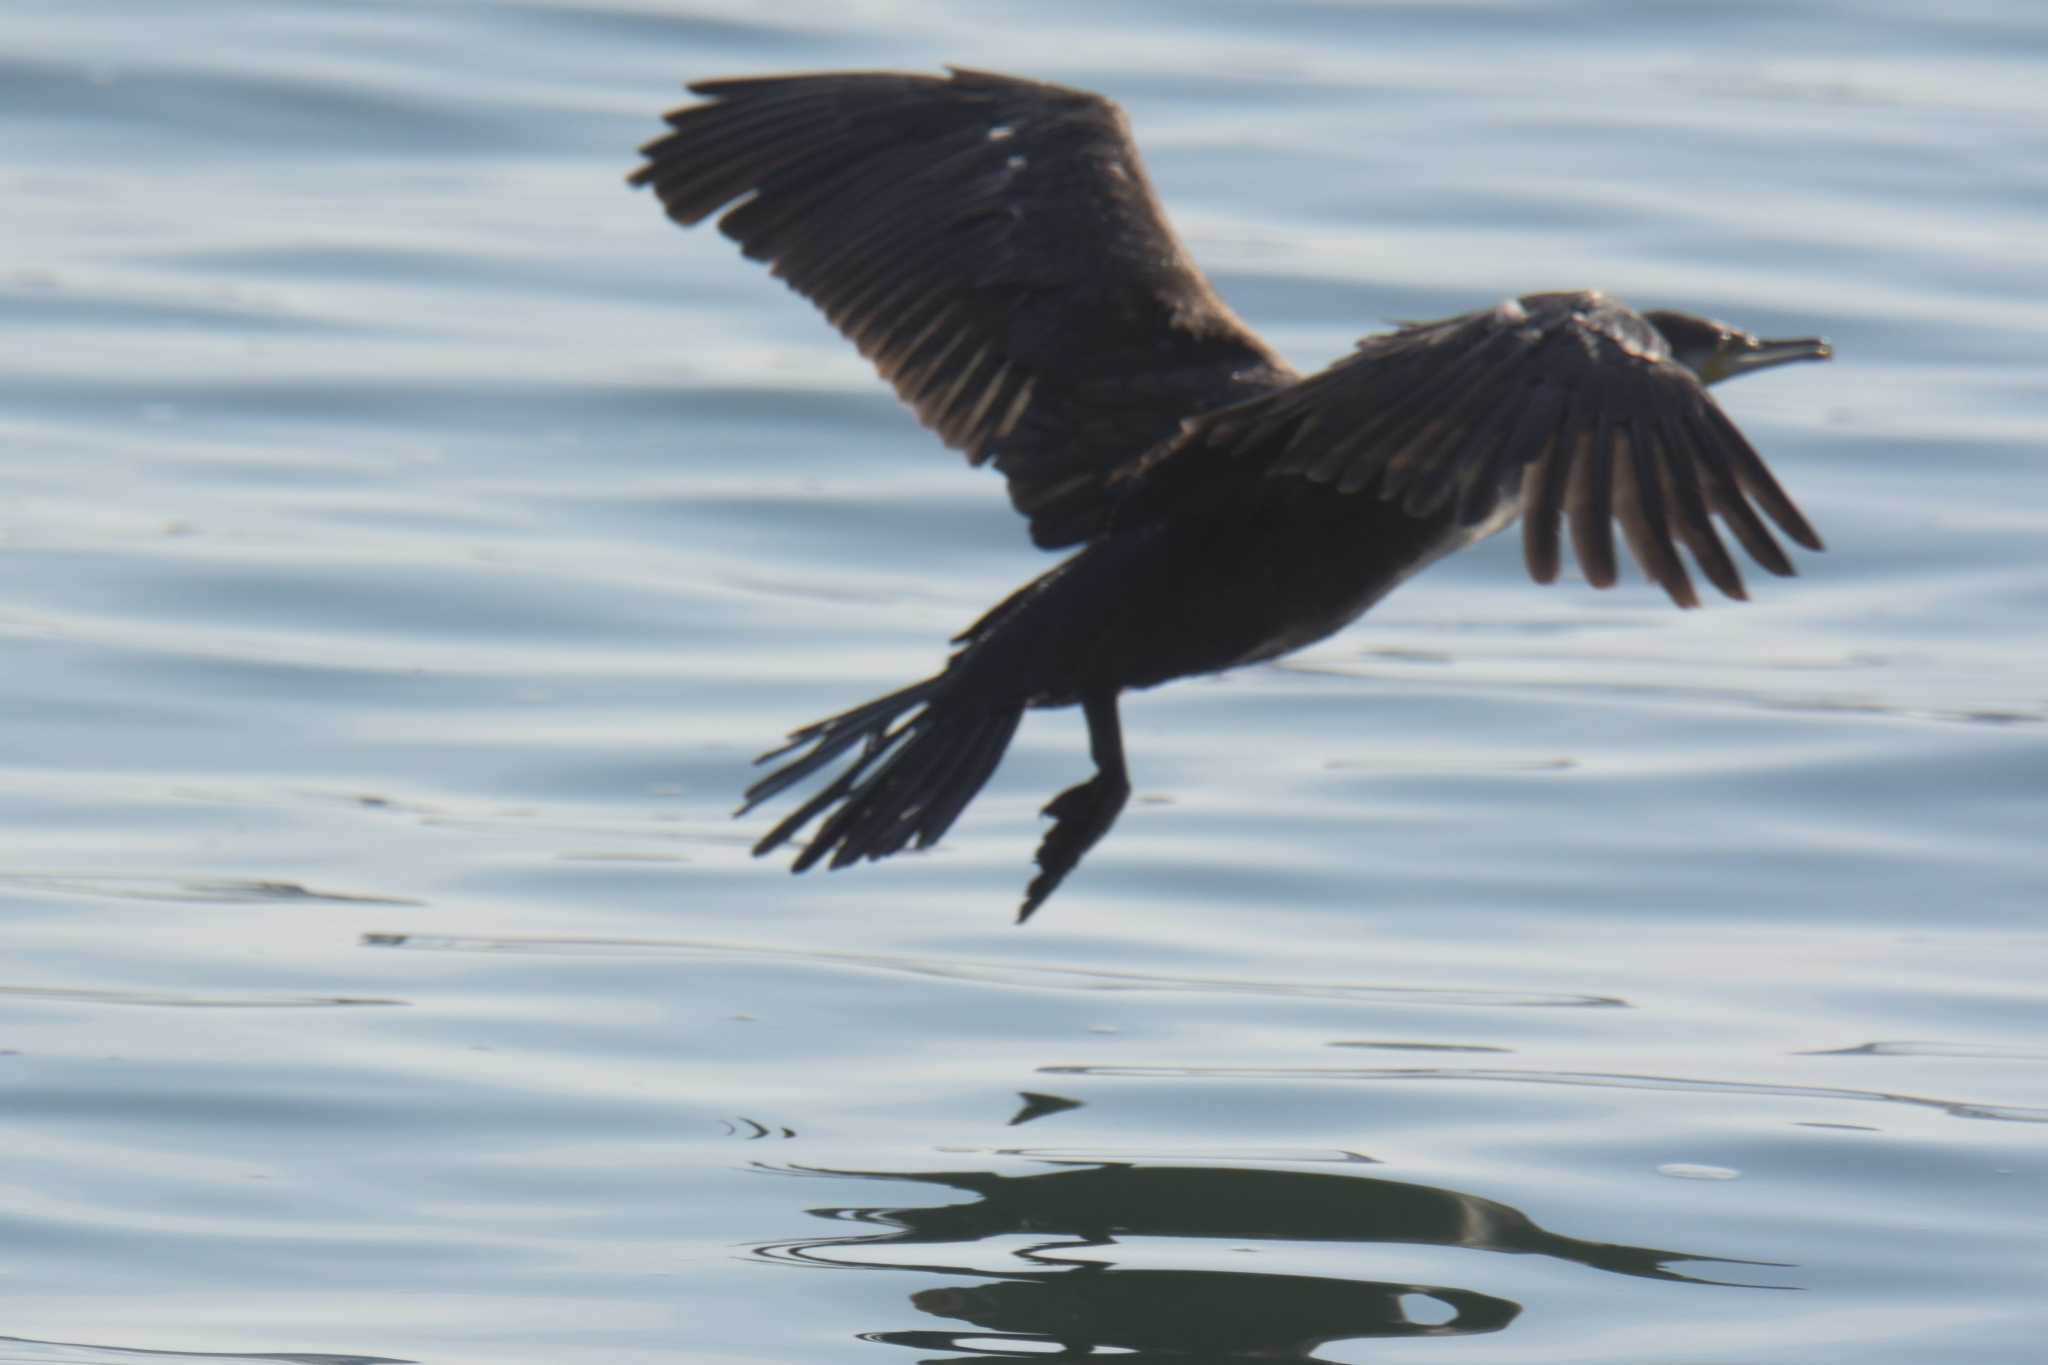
[(993, 246)]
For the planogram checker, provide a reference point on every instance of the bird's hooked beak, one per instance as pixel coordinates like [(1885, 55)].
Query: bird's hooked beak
[(1715, 351), (1740, 353)]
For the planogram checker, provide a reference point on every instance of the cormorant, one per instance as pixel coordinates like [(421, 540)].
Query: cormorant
[(993, 246)]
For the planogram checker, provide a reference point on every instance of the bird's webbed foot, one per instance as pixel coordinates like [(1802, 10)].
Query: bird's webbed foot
[(1082, 814)]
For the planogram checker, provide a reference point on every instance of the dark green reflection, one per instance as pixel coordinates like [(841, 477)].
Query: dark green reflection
[(1186, 1315), (1082, 1306)]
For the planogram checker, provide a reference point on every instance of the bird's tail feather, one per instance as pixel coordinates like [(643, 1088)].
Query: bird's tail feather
[(909, 782)]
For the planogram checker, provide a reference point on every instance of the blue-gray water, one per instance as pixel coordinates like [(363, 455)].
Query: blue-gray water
[(409, 536)]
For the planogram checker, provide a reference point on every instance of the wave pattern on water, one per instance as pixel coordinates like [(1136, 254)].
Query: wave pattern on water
[(1485, 1075), (1019, 974)]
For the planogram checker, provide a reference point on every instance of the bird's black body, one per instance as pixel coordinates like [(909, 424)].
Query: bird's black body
[(992, 245)]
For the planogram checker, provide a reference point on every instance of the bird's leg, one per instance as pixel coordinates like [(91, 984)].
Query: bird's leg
[(1083, 814)]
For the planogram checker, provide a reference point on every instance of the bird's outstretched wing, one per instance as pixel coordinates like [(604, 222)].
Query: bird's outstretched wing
[(992, 245), (1571, 402)]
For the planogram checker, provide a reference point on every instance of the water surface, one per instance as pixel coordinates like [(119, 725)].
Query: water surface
[(411, 537)]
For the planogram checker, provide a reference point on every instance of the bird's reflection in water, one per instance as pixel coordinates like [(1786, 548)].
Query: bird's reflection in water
[(1184, 1315), (1078, 1305)]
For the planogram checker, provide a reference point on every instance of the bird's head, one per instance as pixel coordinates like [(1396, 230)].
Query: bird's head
[(1715, 351)]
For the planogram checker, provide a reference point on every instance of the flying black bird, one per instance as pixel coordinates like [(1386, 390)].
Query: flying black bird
[(993, 246)]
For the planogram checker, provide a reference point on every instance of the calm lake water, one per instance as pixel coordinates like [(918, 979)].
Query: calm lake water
[(410, 537)]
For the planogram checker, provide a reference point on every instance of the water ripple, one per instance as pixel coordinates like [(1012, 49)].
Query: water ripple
[(144, 887), (1023, 975), (1986, 1051), (25, 1349), (183, 1000), (1591, 1079)]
